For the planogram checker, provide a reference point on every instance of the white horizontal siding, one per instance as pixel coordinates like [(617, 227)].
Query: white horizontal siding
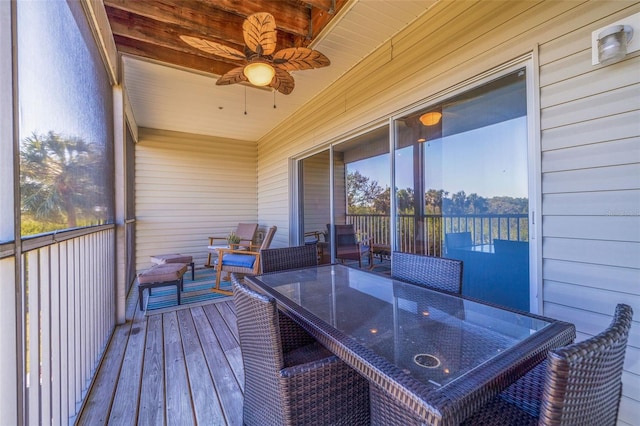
[(602, 129), (589, 129), (189, 187), (601, 203), (590, 181)]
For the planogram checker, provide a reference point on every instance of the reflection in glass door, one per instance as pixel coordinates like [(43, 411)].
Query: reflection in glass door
[(462, 179), (361, 198), (315, 197), (361, 195)]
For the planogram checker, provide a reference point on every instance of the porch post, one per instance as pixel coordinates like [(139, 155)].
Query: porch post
[(119, 140)]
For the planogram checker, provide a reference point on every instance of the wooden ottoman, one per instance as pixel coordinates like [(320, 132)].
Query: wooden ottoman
[(161, 259), (161, 276)]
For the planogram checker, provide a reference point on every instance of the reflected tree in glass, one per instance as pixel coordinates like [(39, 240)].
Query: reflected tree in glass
[(61, 184)]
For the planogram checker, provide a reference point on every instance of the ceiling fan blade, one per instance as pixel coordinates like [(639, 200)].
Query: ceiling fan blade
[(259, 32), (299, 58), (213, 48), (283, 82), (231, 77)]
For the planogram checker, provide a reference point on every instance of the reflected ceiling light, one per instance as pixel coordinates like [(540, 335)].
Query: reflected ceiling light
[(431, 118), (259, 73), (612, 43)]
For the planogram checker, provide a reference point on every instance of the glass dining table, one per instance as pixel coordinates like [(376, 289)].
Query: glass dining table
[(430, 357)]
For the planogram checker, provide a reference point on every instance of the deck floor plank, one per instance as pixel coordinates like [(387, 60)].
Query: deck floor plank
[(152, 393), (230, 345), (203, 392), (157, 363), (228, 312), (221, 328), (125, 402), (225, 379), (178, 403), (98, 403)]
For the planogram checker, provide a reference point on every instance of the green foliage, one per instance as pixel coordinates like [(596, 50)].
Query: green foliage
[(233, 238), (62, 183), (33, 227), (364, 196)]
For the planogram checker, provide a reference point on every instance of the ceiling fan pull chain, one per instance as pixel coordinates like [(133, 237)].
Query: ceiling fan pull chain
[(274, 99), (245, 100)]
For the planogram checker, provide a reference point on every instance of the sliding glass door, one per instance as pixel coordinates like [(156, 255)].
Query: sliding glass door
[(460, 188), (462, 179)]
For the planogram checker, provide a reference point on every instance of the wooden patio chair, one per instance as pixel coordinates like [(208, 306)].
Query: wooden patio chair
[(347, 246), (287, 379), (429, 271), (244, 261), (244, 231), (579, 384)]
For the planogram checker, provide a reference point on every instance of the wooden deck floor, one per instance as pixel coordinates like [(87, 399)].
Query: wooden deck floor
[(182, 367)]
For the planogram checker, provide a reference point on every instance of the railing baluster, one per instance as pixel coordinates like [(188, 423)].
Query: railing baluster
[(484, 229)]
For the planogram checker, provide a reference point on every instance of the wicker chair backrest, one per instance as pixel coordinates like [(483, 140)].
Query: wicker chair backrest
[(260, 342), (583, 381), (279, 259), (434, 272)]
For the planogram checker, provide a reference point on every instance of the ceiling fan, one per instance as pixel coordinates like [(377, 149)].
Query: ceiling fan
[(264, 66)]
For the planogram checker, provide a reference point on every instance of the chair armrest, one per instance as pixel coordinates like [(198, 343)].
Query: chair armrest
[(211, 239), (366, 242), (223, 251)]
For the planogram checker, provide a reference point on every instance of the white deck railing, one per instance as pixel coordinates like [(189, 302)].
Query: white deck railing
[(69, 306)]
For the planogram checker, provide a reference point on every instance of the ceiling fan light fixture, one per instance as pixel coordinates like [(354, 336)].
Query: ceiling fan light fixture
[(259, 73), (431, 118)]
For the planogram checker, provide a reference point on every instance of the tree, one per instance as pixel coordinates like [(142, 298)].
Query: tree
[(362, 193), (476, 204), (382, 204), (61, 179), (404, 198), (433, 200)]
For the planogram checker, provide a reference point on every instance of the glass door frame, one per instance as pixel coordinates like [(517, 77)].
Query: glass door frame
[(529, 63)]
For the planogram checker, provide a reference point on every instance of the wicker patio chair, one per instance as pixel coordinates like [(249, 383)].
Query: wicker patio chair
[(302, 385), (579, 384), (434, 272), (279, 259)]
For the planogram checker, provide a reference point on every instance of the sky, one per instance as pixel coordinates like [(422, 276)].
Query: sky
[(55, 92), (489, 161)]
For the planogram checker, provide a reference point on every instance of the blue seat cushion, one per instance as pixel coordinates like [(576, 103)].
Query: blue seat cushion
[(238, 260)]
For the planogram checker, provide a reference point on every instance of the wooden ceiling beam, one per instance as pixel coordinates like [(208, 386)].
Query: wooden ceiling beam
[(320, 17), (325, 5), (163, 34), (219, 15), (170, 56), (168, 33), (152, 28)]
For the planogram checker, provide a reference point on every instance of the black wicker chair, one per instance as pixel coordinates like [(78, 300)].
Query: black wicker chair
[(279, 259), (434, 272), (302, 385), (579, 384)]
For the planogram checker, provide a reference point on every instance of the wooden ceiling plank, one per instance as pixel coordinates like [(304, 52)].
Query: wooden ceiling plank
[(166, 33), (291, 16), (207, 16), (325, 5), (170, 56), (320, 18)]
